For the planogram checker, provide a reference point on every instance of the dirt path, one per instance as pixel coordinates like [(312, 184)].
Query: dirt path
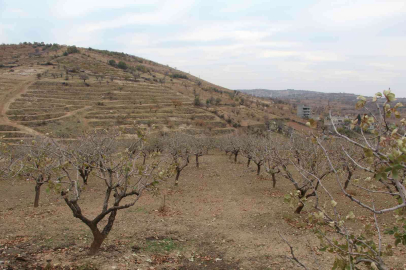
[(60, 117), (9, 98)]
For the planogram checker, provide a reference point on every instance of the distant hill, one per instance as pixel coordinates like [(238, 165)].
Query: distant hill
[(298, 94), (321, 103)]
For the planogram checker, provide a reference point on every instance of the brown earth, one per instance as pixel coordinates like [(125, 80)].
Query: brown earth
[(221, 216)]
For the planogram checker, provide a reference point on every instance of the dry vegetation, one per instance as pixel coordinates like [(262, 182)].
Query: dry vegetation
[(136, 165)]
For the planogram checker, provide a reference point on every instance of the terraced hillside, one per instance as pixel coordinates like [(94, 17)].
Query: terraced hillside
[(61, 94), (63, 109)]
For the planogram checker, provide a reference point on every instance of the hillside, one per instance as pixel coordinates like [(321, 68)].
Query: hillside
[(60, 91)]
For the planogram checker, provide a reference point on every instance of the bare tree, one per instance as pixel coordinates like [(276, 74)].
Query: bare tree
[(84, 77), (122, 176), (40, 164), (178, 147), (199, 146), (254, 147), (274, 143), (301, 153), (10, 160), (231, 144)]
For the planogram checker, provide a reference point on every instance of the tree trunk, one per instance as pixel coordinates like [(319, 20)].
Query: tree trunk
[(197, 161), (37, 193), (273, 180), (258, 169), (249, 161), (299, 208), (177, 177), (381, 265), (143, 162), (347, 182), (98, 239), (235, 157), (84, 173)]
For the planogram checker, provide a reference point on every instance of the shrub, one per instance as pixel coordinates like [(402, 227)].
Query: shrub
[(142, 69), (112, 63), (72, 49), (178, 76), (122, 65), (197, 102)]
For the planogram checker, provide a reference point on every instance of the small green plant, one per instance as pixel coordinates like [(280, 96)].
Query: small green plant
[(161, 246)]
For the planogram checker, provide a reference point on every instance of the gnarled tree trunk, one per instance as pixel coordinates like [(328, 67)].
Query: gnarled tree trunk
[(37, 194), (273, 180), (177, 176), (98, 239), (299, 208), (197, 161), (258, 168)]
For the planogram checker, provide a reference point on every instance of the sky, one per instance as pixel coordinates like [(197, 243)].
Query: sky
[(330, 46)]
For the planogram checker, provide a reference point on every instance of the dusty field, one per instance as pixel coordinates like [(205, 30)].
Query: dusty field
[(221, 216)]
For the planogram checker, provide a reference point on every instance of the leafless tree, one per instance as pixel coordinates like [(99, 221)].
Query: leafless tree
[(274, 143), (40, 164), (199, 146), (177, 145), (231, 144), (10, 160), (300, 152), (254, 147), (123, 178), (84, 77)]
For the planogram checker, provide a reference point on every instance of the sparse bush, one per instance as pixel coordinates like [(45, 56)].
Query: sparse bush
[(142, 69), (196, 101), (178, 76), (122, 65), (112, 63), (72, 49)]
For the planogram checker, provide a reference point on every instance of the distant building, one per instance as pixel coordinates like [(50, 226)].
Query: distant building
[(339, 122), (304, 111)]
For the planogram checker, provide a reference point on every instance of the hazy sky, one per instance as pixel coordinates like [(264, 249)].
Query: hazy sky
[(331, 46)]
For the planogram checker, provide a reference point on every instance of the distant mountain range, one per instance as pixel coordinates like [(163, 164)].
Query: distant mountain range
[(298, 94), (292, 94), (320, 102)]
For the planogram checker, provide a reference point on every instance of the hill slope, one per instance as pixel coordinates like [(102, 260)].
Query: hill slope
[(62, 91)]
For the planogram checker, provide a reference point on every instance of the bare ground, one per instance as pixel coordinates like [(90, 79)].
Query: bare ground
[(220, 217)]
